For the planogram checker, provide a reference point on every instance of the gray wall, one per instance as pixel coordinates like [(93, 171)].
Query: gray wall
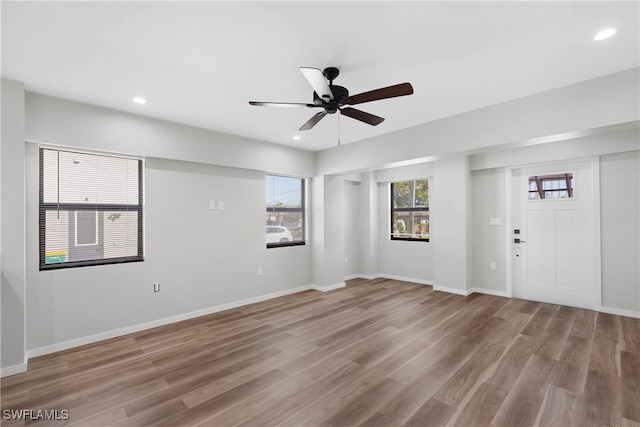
[(352, 217), (12, 225), (191, 166), (620, 219), (202, 258), (397, 258), (569, 110), (488, 241), (619, 210)]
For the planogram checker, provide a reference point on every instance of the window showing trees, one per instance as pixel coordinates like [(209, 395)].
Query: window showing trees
[(410, 210), (551, 187), (285, 224), (90, 209)]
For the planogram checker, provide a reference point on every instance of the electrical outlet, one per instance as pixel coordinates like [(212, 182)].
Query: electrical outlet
[(259, 271), (212, 204), (220, 205), (156, 287), (492, 265)]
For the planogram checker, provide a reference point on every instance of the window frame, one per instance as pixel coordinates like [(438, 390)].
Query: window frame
[(411, 210), (302, 209), (556, 176), (73, 208)]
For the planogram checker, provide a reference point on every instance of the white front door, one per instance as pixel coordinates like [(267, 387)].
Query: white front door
[(553, 218)]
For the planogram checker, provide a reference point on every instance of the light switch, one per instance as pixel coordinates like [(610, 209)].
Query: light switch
[(495, 221), (212, 204), (220, 205)]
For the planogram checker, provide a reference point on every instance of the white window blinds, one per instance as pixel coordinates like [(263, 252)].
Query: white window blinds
[(90, 209)]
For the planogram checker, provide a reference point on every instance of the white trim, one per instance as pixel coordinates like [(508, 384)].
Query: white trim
[(619, 311), (594, 168), (351, 277), (368, 276), (406, 279), (328, 287), (597, 244), (160, 322), (13, 370), (489, 292), (508, 223), (463, 292)]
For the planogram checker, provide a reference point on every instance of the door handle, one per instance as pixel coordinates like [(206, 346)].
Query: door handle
[(518, 241)]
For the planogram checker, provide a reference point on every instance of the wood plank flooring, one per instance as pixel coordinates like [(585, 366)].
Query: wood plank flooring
[(376, 353)]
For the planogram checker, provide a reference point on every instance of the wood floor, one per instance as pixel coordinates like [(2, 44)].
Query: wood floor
[(376, 353)]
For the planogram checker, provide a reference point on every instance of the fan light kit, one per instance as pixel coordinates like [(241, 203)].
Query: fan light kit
[(333, 98)]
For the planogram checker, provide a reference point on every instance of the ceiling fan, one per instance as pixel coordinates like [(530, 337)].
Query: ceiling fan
[(333, 98)]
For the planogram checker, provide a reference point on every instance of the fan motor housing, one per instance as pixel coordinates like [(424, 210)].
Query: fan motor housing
[(340, 94)]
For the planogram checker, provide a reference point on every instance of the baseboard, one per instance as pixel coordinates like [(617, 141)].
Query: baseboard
[(40, 351), (463, 292), (328, 287), (406, 279), (619, 311), (368, 276), (353, 276), (13, 370), (488, 292)]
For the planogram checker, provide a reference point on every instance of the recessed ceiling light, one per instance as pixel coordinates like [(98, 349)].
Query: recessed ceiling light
[(604, 34), (296, 137), (139, 100)]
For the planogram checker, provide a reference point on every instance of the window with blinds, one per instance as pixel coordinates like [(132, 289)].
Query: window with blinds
[(90, 209)]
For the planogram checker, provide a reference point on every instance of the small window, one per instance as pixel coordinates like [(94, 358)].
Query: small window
[(90, 209), (410, 210), (550, 187), (285, 224)]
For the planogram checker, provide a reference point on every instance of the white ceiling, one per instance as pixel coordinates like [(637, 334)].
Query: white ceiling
[(199, 63)]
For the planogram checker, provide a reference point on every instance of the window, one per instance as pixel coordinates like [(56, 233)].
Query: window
[(410, 210), (285, 211), (90, 209), (551, 187)]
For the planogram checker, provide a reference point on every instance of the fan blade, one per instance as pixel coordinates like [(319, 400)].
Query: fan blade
[(401, 89), (282, 104), (362, 116), (316, 79), (313, 120)]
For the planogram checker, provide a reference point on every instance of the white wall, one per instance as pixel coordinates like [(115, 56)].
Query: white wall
[(12, 226), (620, 216)]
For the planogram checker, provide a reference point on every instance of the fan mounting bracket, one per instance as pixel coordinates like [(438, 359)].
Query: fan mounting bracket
[(331, 73)]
